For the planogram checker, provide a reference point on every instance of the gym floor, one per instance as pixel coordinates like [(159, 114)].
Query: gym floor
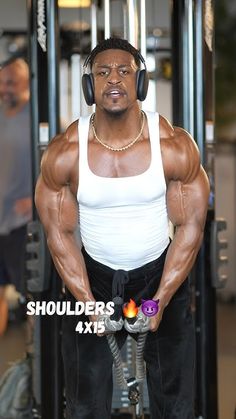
[(12, 347)]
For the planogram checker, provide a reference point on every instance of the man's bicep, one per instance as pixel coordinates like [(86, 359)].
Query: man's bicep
[(46, 202), (55, 202), (187, 202), (57, 208)]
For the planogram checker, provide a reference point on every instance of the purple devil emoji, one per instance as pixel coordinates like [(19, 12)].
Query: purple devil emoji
[(150, 307)]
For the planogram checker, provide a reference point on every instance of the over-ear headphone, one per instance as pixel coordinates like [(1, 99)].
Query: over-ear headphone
[(141, 82)]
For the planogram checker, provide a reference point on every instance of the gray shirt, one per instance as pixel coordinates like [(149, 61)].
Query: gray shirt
[(15, 167)]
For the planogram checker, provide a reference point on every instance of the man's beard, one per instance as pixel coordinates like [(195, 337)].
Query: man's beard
[(116, 113), (10, 103)]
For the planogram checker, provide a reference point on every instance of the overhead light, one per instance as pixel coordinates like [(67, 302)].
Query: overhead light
[(74, 3)]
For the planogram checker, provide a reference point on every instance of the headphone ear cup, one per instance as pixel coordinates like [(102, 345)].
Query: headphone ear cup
[(142, 81), (88, 89)]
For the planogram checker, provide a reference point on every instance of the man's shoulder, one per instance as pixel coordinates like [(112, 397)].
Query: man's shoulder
[(175, 138), (61, 156), (71, 132), (166, 128), (64, 143), (179, 150)]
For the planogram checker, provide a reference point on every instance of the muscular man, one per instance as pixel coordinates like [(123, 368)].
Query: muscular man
[(15, 180), (129, 172)]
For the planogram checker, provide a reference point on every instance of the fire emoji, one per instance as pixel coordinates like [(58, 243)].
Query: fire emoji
[(130, 309)]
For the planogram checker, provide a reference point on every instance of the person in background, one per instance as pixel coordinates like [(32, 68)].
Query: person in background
[(15, 179)]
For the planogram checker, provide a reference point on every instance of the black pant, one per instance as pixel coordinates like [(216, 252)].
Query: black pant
[(169, 352), (12, 259)]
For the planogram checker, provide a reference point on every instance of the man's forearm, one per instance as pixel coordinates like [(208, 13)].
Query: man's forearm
[(70, 265), (180, 258)]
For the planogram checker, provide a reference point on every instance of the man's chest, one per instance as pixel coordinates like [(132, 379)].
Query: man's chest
[(113, 164)]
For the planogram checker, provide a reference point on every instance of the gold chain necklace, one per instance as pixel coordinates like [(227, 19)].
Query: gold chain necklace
[(121, 148)]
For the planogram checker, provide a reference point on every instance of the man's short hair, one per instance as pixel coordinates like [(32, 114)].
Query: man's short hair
[(21, 55), (114, 43)]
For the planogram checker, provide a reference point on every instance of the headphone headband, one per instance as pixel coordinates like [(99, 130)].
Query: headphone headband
[(86, 62)]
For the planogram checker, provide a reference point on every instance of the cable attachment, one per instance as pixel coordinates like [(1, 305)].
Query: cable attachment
[(140, 323), (113, 323)]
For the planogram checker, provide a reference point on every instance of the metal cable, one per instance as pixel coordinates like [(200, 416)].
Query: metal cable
[(140, 365), (117, 361)]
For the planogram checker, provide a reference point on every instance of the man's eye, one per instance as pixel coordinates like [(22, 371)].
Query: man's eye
[(124, 72), (103, 73)]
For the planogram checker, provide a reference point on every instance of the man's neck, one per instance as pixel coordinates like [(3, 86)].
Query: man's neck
[(122, 126)]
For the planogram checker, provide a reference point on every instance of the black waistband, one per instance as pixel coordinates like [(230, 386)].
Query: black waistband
[(121, 283), (132, 272)]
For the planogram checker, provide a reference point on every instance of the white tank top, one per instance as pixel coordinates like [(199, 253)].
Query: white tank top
[(123, 221)]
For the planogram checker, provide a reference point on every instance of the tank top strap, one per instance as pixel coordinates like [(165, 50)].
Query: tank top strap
[(83, 130), (154, 132)]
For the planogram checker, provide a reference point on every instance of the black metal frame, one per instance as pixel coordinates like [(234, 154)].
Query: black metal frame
[(47, 372), (205, 292)]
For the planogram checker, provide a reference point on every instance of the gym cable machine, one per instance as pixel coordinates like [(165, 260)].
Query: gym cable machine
[(189, 52), (193, 109)]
